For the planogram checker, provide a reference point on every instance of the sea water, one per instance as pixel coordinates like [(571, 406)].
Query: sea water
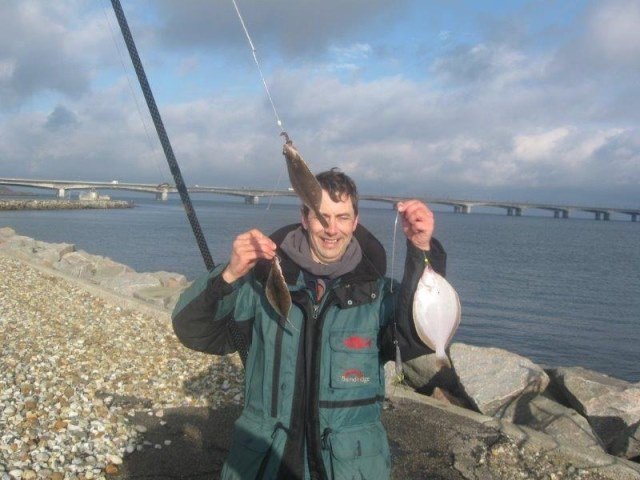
[(561, 292)]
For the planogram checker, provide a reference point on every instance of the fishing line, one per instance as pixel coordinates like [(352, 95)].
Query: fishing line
[(271, 195), (398, 357), (153, 149), (255, 59)]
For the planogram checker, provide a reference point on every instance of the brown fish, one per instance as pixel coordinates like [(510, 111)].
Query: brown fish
[(276, 290), (304, 183)]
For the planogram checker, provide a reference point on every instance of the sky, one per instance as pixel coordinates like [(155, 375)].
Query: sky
[(532, 101)]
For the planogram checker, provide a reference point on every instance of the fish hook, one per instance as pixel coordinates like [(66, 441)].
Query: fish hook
[(286, 138)]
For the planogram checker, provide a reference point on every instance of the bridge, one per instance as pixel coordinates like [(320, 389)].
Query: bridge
[(252, 196)]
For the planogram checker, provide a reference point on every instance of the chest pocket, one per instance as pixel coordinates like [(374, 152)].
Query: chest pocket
[(354, 359)]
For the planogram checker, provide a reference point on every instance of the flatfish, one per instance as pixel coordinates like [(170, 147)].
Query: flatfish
[(276, 290), (304, 182), (436, 313)]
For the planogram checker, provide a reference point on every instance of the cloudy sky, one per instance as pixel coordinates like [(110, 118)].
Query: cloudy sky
[(521, 100)]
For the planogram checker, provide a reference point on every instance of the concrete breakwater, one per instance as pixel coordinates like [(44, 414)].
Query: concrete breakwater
[(61, 204), (89, 360)]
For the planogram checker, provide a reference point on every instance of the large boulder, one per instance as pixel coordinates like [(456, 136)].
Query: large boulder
[(170, 279), (611, 405), (423, 375), (105, 268), (49, 254), (33, 250), (78, 264), (565, 425), (130, 282), (164, 297), (493, 379), (6, 232), (18, 244)]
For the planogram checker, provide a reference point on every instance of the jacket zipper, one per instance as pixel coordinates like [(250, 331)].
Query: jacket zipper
[(313, 416)]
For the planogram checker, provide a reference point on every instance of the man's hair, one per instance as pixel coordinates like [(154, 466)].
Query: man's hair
[(338, 185)]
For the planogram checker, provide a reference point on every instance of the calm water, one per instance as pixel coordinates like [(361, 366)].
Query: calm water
[(561, 292)]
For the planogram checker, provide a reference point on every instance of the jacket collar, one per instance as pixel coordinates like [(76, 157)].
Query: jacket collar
[(372, 266)]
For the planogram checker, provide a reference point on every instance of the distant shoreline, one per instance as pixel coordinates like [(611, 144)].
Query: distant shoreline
[(63, 204)]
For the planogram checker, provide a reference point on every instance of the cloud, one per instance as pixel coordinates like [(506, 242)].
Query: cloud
[(494, 116), (291, 27), (65, 44), (613, 34), (539, 146), (60, 119)]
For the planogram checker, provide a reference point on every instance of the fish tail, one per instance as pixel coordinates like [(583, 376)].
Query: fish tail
[(442, 361), (290, 323), (286, 137), (320, 217)]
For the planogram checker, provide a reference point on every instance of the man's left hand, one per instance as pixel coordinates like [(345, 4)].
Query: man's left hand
[(417, 222)]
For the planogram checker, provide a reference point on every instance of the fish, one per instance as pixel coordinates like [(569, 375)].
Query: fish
[(436, 313), (304, 182), (277, 292)]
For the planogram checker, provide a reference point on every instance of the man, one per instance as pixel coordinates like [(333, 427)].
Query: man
[(314, 384)]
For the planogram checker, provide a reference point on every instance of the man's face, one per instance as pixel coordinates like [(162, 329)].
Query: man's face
[(329, 244)]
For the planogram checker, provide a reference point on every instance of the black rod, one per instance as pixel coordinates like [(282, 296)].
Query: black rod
[(238, 340), (162, 134)]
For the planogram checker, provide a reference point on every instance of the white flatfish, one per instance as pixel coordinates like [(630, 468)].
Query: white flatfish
[(436, 313)]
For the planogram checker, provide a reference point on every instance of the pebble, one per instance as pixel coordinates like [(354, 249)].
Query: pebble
[(75, 369)]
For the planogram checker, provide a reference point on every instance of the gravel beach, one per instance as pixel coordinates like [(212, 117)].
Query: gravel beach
[(76, 372)]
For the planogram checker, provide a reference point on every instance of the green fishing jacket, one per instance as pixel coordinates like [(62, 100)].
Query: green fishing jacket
[(314, 384)]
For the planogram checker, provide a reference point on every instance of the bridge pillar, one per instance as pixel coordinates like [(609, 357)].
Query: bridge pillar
[(61, 193), (556, 214), (163, 195), (510, 211), (251, 199), (565, 214), (518, 211), (634, 217), (606, 216), (598, 216)]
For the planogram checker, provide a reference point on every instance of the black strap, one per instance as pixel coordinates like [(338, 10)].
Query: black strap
[(238, 340)]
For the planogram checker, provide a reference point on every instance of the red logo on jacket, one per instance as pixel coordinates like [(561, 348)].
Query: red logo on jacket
[(357, 343)]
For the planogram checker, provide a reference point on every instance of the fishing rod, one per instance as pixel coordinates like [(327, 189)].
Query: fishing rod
[(238, 340)]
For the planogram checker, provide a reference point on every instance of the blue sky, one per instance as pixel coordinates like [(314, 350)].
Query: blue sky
[(516, 100)]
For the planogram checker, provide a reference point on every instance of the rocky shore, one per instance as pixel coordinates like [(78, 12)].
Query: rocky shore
[(62, 204), (93, 384)]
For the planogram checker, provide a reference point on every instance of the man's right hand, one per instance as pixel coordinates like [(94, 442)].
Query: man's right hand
[(248, 248)]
